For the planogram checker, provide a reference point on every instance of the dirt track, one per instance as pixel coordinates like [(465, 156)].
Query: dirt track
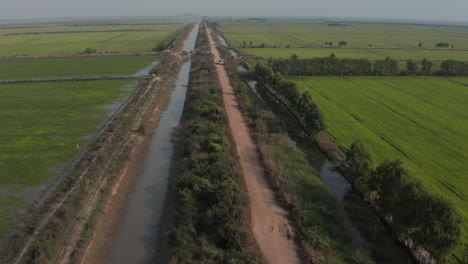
[(269, 223)]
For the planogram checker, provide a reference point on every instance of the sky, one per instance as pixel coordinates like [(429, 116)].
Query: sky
[(437, 10)]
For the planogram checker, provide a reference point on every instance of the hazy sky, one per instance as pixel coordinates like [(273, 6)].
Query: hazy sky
[(444, 10)]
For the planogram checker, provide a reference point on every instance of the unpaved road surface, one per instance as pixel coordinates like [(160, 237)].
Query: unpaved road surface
[(269, 223)]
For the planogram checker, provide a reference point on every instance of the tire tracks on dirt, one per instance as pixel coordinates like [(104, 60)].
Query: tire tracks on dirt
[(269, 221)]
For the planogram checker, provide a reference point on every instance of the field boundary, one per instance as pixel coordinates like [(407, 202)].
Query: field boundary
[(74, 79), (149, 53)]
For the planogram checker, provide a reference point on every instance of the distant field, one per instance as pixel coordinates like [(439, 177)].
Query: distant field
[(310, 32), (423, 121), (72, 67), (73, 43), (41, 125)]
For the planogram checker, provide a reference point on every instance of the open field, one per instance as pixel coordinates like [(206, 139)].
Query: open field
[(423, 121), (72, 67), (107, 38), (41, 127), (316, 33)]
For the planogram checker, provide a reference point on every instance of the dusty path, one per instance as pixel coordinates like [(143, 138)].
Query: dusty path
[(269, 222)]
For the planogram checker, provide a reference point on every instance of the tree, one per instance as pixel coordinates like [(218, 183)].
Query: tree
[(420, 44), (439, 226), (89, 51), (244, 43), (411, 67), (251, 43), (359, 162), (342, 43), (426, 67), (388, 179)]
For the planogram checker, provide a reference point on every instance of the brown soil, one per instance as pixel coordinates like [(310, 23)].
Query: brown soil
[(269, 221)]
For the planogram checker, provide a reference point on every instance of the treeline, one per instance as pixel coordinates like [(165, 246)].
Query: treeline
[(172, 40), (210, 217), (301, 103), (429, 221), (332, 66)]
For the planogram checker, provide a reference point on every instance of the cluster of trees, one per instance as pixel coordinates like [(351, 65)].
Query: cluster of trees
[(332, 66), (442, 45), (89, 51), (429, 220), (454, 68), (302, 104), (209, 221)]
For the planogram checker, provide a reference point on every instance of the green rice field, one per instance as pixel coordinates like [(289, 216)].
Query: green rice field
[(41, 127), (72, 67), (117, 39), (421, 120), (317, 32)]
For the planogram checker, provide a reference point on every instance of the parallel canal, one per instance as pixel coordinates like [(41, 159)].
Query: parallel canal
[(360, 222), (138, 234)]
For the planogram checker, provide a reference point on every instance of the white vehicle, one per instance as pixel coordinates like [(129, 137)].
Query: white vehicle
[(221, 62)]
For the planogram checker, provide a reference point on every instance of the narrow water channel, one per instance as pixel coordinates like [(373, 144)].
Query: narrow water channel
[(360, 221), (138, 234)]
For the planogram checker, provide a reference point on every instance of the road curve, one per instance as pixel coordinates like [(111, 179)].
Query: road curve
[(269, 223)]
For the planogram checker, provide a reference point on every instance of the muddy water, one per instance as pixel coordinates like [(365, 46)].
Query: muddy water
[(138, 234), (361, 223)]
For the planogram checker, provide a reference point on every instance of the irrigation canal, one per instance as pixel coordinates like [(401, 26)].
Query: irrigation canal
[(138, 233)]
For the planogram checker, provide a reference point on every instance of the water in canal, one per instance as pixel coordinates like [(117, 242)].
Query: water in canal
[(138, 234)]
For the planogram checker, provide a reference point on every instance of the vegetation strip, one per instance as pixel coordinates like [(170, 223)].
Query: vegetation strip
[(210, 215)]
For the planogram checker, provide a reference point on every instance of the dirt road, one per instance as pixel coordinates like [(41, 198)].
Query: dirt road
[(269, 223)]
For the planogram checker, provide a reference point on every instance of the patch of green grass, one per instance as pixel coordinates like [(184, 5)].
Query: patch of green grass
[(72, 67), (73, 43), (315, 206), (421, 120), (316, 33)]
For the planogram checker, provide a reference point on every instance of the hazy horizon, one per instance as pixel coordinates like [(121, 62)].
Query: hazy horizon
[(429, 10)]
